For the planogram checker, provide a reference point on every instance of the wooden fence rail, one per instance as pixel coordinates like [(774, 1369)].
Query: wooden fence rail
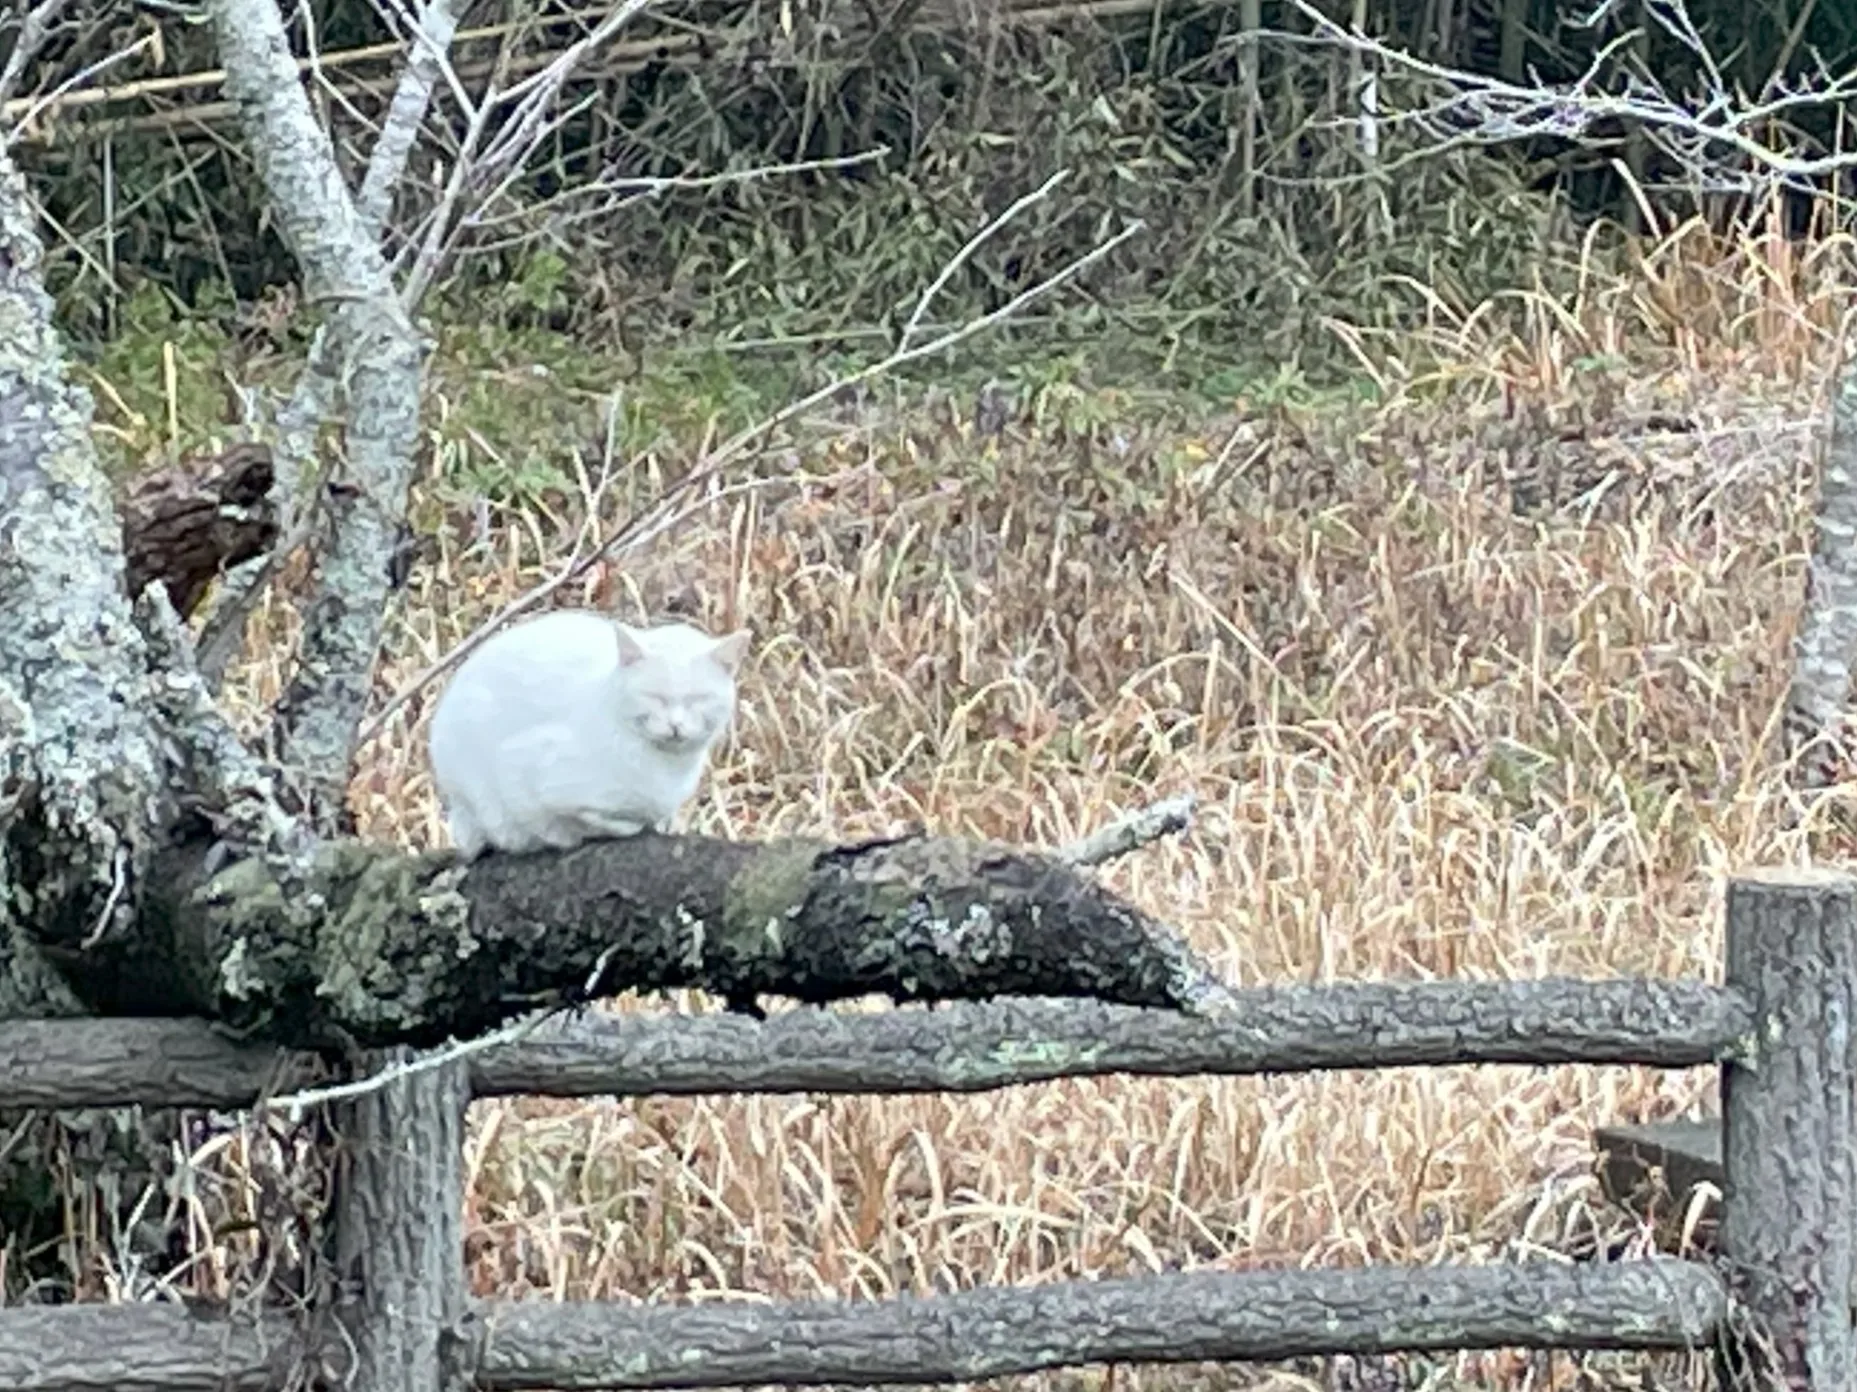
[(1776, 1303), (1188, 1317), (968, 1048)]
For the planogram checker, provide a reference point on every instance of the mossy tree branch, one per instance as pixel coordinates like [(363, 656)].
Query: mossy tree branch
[(375, 948)]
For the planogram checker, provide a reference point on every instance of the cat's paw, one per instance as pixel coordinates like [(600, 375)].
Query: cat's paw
[(598, 824)]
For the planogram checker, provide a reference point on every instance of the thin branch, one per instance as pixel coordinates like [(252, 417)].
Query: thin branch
[(669, 508), (1487, 110), (652, 186), (431, 43), (525, 129), (35, 27), (1131, 831), (615, 194), (973, 244), (293, 1105), (40, 105)]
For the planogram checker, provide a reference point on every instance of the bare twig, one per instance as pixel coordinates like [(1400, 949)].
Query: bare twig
[(294, 1105), (1131, 831), (481, 160), (605, 197), (972, 245), (1479, 109), (77, 79), (35, 27), (669, 510), (651, 186)]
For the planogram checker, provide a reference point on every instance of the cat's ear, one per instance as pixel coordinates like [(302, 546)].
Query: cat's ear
[(731, 650), (630, 649)]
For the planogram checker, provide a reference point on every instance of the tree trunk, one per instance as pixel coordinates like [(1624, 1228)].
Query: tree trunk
[(1826, 644), (84, 784)]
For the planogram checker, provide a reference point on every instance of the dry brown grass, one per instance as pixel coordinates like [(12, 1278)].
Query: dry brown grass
[(1430, 739)]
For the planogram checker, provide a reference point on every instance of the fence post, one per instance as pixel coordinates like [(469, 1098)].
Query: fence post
[(1786, 1230), (399, 1230)]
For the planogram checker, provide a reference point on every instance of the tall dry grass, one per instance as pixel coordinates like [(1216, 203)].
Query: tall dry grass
[(1431, 738)]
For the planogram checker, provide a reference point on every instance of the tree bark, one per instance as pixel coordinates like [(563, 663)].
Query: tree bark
[(399, 132), (150, 1348), (970, 1048), (399, 1233), (976, 1334), (1273, 1029), (374, 948), (380, 357), (187, 524), (1787, 1125), (84, 784), (1178, 1318), (1826, 644)]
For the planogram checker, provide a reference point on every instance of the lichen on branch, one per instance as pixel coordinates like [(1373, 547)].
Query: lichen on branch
[(84, 791), (378, 948), (380, 361)]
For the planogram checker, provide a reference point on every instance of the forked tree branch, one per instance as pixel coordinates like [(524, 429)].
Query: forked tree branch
[(314, 395), (120, 776)]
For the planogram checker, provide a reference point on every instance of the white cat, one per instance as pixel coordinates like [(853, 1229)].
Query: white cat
[(572, 726)]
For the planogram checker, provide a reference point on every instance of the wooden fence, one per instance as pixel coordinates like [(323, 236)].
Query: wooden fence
[(1775, 1304)]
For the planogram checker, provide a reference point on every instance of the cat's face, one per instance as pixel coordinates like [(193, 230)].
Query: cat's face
[(679, 693), (676, 714)]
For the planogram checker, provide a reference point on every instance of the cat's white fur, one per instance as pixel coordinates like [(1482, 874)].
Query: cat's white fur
[(573, 726)]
